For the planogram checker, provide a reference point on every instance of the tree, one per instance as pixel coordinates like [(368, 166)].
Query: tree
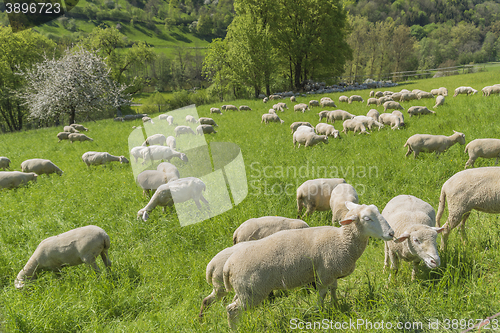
[(77, 84), (216, 67)]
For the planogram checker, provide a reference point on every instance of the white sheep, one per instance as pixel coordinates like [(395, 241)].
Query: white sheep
[(155, 139), (390, 119), (464, 90), (405, 97), (230, 107), (277, 107), (355, 98), (368, 122), (216, 110), (244, 108), (301, 107), (79, 127), (327, 129), (419, 110), (313, 102), (327, 102), (4, 163), (341, 194), (170, 120), (100, 158), (63, 136), (175, 191), (272, 111), (265, 100), (308, 138), (275, 96), (71, 248), (207, 121), (183, 130), (305, 128), (400, 115), (372, 93), (294, 258), (151, 180), (271, 117), (171, 142), (485, 148), (190, 119), (343, 99), (384, 99), (293, 99), (487, 91), (388, 93), (78, 137), (442, 91), (70, 129), (153, 153), (283, 106), (354, 125), (439, 101), (314, 194), (297, 124), (338, 115), (464, 191), (13, 179), (372, 101), (40, 167), (392, 105), (163, 117), (205, 129), (414, 223), (323, 114), (147, 120), (136, 152), (429, 143), (378, 94), (258, 228), (424, 94), (169, 170), (374, 114)]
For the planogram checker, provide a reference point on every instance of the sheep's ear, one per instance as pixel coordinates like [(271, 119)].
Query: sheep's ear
[(350, 205), (402, 237), (438, 230), (348, 220), (455, 131)]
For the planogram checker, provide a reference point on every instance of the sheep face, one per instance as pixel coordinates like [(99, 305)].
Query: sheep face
[(461, 138), (421, 242), (184, 157), (369, 219), (123, 159)]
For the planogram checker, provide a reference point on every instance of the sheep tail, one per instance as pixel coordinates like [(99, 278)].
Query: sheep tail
[(107, 242), (226, 273), (467, 147), (406, 144), (442, 203)]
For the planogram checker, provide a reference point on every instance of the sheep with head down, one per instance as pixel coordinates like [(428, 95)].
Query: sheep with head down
[(101, 158), (485, 148), (4, 163), (314, 194), (432, 143), (40, 166), (14, 179)]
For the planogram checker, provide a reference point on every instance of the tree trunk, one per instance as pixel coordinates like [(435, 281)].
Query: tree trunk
[(298, 71), (72, 116)]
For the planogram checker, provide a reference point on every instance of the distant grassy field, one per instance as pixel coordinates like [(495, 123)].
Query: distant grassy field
[(158, 274)]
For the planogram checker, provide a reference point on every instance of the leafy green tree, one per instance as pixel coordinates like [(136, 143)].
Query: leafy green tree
[(216, 67)]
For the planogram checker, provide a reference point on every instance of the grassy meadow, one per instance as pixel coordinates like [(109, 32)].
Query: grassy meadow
[(157, 281)]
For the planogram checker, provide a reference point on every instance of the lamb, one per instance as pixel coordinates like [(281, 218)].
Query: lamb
[(383, 99), (341, 194), (63, 136), (13, 179), (155, 139), (464, 191), (313, 103), (413, 221), (296, 125), (293, 258), (190, 119), (78, 137), (293, 99), (485, 148), (338, 115), (40, 167), (171, 142), (231, 107), (183, 130), (301, 107), (308, 138), (70, 129), (368, 122), (4, 163), (355, 98), (374, 114), (152, 153), (216, 110), (170, 170), (175, 191), (430, 143), (419, 110), (355, 126), (327, 129), (343, 99), (79, 127), (392, 105), (261, 227), (151, 180), (439, 101), (271, 117), (245, 108), (464, 90), (147, 120), (100, 158), (372, 101), (207, 121), (327, 102), (314, 194), (71, 248), (442, 91), (205, 129)]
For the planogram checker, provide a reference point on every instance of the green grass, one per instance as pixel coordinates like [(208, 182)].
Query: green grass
[(158, 274)]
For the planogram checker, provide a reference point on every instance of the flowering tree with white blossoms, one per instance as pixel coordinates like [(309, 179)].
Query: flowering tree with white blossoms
[(76, 84)]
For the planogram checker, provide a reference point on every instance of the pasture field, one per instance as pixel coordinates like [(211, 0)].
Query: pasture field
[(157, 281)]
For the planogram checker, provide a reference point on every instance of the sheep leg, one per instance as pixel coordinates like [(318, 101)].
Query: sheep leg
[(233, 311), (415, 270), (333, 293), (471, 161), (91, 261), (409, 151), (462, 228), (415, 153), (496, 162), (386, 256), (453, 220), (105, 259), (216, 294)]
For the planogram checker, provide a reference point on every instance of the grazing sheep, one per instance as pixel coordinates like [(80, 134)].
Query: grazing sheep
[(429, 143), (78, 137), (338, 115), (314, 194), (441, 92), (245, 108), (467, 190), (464, 90), (277, 107), (169, 170), (355, 126), (313, 102), (384, 99), (323, 114), (355, 98), (372, 101), (327, 102), (63, 136), (40, 167), (271, 117), (175, 191), (413, 221), (393, 97), (293, 99), (424, 94), (118, 119), (230, 107), (378, 94), (258, 228), (153, 153), (272, 111), (4, 163), (405, 97), (368, 122), (439, 101), (151, 180), (13, 179), (341, 194), (327, 129), (485, 148), (155, 139), (79, 127), (163, 117), (293, 258), (183, 130), (275, 96), (136, 152), (283, 106), (390, 119), (301, 107), (343, 99), (207, 121), (147, 120), (305, 128), (419, 110), (372, 93), (374, 114), (70, 129), (388, 93), (487, 91), (190, 119), (71, 248), (297, 124), (100, 158), (308, 138), (400, 115), (170, 120), (215, 110), (265, 100), (392, 105), (171, 142), (205, 129)]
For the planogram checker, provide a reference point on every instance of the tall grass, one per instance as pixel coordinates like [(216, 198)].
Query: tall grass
[(158, 273)]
